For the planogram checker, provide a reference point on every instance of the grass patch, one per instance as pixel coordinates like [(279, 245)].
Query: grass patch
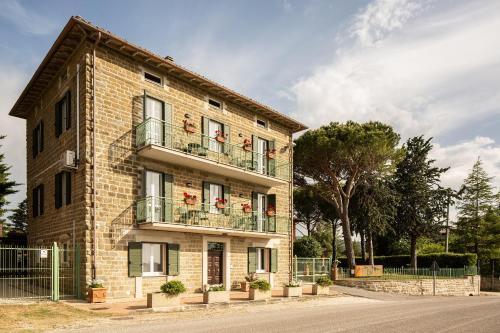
[(39, 317)]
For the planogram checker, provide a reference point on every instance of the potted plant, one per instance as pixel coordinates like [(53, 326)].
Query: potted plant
[(189, 199), (322, 286), (216, 294), (271, 154), (270, 211), (168, 296), (293, 289), (189, 126), (220, 137), (245, 285), (247, 145), (96, 292), (246, 208), (220, 203), (260, 290)]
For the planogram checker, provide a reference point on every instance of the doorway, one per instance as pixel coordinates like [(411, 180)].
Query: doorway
[(215, 263)]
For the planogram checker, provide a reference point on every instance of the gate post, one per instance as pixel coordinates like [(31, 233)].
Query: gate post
[(55, 272), (76, 273)]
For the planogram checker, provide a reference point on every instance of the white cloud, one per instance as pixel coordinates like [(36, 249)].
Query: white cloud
[(431, 75), (463, 155), (26, 21)]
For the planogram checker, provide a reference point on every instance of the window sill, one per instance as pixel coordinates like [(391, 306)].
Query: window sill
[(155, 276)]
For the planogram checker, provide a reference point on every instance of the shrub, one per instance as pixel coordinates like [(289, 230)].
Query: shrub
[(96, 283), (307, 247), (293, 284), (449, 260), (261, 285), (324, 281), (217, 287), (173, 288), (251, 277)]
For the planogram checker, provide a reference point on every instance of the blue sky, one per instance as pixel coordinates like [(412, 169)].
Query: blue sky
[(425, 67)]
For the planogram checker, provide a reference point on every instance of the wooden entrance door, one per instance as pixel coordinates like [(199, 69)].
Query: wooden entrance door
[(215, 266)]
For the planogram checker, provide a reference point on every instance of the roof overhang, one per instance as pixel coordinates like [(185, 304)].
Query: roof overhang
[(78, 30)]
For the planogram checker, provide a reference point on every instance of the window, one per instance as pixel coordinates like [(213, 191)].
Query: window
[(214, 103), (62, 189), (261, 155), (262, 260), (38, 200), (214, 129), (261, 123), (63, 114), (65, 255), (211, 193), (152, 78), (37, 139), (215, 193), (153, 259)]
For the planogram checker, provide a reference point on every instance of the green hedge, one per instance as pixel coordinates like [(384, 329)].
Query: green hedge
[(450, 260)]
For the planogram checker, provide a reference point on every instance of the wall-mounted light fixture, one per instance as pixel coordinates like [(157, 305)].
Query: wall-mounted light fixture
[(189, 184), (187, 115)]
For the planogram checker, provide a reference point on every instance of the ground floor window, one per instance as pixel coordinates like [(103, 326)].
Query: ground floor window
[(153, 259), (262, 260)]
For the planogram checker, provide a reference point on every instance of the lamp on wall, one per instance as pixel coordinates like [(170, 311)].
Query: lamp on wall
[(189, 184)]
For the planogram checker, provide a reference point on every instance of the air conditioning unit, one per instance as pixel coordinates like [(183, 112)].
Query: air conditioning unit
[(69, 159)]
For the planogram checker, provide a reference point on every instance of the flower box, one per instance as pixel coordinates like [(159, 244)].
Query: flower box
[(247, 208), (220, 138), (259, 295), (210, 297), (189, 126), (270, 212), (96, 295), (319, 290), (160, 300), (292, 291), (245, 286)]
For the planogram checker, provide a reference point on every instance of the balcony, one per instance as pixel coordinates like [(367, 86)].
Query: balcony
[(159, 140), (164, 214)]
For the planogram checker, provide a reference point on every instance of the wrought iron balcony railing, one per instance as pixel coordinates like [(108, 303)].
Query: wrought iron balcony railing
[(161, 210), (160, 133)]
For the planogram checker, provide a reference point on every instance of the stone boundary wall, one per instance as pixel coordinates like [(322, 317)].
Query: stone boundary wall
[(486, 283), (444, 287)]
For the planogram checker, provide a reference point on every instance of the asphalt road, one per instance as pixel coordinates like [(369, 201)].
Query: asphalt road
[(366, 312)]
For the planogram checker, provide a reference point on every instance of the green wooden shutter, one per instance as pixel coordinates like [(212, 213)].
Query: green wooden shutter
[(271, 220), (68, 187), (34, 200), (42, 200), (271, 163), (144, 97), (168, 181), (227, 197), (274, 260), (134, 259), (226, 129), (41, 135), (206, 196), (34, 142), (68, 109), (167, 117), (173, 259), (58, 192), (58, 122), (252, 260), (205, 131)]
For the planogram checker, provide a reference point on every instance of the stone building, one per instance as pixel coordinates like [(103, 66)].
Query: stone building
[(156, 172)]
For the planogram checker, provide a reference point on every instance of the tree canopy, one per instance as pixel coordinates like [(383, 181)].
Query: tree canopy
[(7, 186)]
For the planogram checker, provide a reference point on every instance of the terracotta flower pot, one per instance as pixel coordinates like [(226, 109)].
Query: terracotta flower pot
[(220, 205), (220, 138), (190, 128), (271, 155), (245, 286), (190, 201), (96, 295), (270, 213), (247, 209), (247, 147)]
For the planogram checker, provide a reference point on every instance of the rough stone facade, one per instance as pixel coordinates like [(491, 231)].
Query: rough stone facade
[(119, 89), (444, 287)]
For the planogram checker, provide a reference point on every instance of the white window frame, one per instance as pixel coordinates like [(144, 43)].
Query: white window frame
[(215, 145), (221, 105), (261, 155), (151, 261), (214, 196), (151, 81), (262, 259)]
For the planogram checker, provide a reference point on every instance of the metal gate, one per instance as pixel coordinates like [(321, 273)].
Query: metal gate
[(39, 273), (309, 269)]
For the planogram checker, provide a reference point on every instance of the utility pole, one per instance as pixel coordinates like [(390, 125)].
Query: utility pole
[(447, 223)]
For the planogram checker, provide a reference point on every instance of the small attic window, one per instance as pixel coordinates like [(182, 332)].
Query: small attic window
[(215, 103), (261, 123), (152, 78)]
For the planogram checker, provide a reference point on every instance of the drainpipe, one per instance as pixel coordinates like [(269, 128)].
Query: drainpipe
[(94, 208), (290, 199), (77, 162)]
